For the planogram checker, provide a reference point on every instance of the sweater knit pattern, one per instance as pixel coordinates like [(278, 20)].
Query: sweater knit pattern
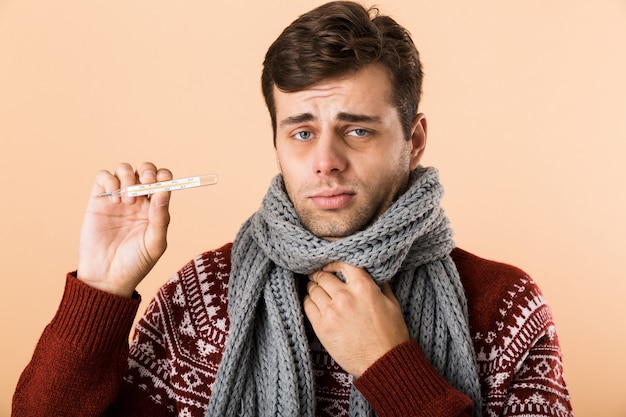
[(499, 362), (178, 343)]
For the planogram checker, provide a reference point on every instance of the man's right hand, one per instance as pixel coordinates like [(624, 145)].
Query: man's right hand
[(123, 238)]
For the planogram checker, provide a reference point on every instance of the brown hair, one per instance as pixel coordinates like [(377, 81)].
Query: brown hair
[(339, 37)]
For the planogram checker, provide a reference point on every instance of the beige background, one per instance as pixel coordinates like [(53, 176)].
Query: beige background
[(527, 111)]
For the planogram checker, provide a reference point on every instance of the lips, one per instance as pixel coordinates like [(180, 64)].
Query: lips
[(332, 199)]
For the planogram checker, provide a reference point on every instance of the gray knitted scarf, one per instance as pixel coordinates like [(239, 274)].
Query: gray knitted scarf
[(266, 368)]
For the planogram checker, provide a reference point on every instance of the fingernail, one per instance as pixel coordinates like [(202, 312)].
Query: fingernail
[(148, 175)]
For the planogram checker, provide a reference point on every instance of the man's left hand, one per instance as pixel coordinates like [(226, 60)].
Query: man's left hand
[(356, 321)]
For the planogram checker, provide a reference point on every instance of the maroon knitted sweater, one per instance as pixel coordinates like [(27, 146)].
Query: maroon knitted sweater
[(82, 365)]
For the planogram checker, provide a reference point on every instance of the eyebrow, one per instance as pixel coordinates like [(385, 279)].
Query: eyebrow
[(294, 120), (342, 116), (358, 118)]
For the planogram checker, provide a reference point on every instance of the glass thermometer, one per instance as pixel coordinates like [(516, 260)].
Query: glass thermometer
[(173, 185)]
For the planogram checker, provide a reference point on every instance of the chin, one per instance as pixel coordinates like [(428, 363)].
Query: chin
[(332, 232)]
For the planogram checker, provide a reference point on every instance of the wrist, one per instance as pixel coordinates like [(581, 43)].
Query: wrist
[(108, 287), (93, 320)]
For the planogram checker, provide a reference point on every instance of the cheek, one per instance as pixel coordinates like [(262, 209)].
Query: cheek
[(291, 173), (392, 177), (387, 167), (291, 177), (292, 166), (286, 159)]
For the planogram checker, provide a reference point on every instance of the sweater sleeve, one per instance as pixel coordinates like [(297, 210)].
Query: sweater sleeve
[(404, 383), (80, 359)]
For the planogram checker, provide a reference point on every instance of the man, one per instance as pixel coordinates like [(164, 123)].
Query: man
[(342, 295)]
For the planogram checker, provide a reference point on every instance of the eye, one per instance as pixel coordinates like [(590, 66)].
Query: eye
[(360, 133), (303, 135)]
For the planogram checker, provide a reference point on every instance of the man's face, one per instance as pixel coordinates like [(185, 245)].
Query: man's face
[(342, 152)]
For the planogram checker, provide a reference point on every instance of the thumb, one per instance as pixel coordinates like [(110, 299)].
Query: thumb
[(160, 200), (159, 219)]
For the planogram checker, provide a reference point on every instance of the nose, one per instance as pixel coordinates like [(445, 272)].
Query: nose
[(329, 157)]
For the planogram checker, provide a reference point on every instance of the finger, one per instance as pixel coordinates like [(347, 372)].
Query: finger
[(126, 174), (147, 173), (159, 216), (164, 174), (327, 280), (311, 309), (159, 207), (317, 293), (127, 177), (337, 268), (106, 182), (334, 267), (162, 199), (388, 292), (353, 275)]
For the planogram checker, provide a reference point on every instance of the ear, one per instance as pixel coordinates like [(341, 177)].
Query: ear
[(418, 139)]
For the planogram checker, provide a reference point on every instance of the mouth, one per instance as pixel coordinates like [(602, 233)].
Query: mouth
[(332, 199)]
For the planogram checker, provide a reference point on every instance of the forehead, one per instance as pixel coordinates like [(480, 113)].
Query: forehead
[(366, 90)]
